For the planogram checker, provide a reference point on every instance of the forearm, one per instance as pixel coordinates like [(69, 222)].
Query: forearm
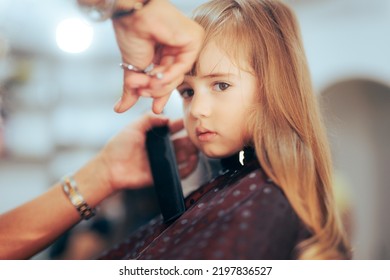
[(122, 164), (29, 228), (33, 226)]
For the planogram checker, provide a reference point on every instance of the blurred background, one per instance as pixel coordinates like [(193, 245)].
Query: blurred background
[(57, 100)]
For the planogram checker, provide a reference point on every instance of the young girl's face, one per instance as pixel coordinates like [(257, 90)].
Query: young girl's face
[(217, 101)]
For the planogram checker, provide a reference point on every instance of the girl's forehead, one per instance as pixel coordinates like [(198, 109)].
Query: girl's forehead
[(216, 59), (213, 57)]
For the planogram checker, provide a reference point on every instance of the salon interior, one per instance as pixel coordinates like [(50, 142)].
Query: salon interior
[(59, 81)]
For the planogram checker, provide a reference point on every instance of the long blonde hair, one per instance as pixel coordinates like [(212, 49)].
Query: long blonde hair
[(288, 133)]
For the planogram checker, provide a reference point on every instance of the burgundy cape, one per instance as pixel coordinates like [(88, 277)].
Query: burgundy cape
[(238, 215)]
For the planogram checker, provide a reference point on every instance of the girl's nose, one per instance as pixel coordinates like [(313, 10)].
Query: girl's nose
[(200, 106)]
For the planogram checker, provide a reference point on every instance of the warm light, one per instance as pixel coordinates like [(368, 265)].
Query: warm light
[(74, 35)]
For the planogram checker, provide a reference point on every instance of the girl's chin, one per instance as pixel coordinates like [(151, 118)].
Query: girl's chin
[(210, 153), (216, 154)]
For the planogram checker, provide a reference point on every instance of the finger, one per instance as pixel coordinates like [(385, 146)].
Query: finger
[(184, 54), (133, 80), (165, 89), (166, 58), (157, 76), (178, 31), (163, 76), (180, 144), (159, 104), (181, 157), (176, 126), (160, 85), (128, 99), (142, 81), (161, 96), (183, 146), (191, 148), (174, 72), (186, 169)]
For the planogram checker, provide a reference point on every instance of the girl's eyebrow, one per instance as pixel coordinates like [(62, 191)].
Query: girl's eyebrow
[(213, 75), (216, 75)]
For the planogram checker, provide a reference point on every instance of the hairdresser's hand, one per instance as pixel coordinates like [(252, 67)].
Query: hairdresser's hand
[(186, 152), (161, 34), (124, 161)]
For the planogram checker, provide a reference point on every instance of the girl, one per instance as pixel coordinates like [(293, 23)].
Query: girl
[(253, 71), (250, 91)]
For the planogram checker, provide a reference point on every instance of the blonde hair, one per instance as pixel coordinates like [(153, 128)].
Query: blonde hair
[(288, 134)]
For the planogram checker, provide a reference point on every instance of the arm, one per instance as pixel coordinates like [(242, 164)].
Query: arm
[(122, 163), (31, 227)]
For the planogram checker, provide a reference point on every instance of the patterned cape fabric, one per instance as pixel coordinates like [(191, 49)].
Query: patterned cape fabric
[(238, 215)]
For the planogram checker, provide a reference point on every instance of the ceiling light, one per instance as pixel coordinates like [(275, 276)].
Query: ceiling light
[(74, 35)]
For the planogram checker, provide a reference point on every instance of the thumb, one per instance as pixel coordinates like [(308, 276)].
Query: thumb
[(176, 126)]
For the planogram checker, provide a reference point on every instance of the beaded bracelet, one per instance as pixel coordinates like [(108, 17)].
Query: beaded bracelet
[(69, 187)]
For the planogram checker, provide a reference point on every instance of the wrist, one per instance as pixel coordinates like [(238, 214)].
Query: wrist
[(125, 8), (70, 188), (100, 10), (93, 182)]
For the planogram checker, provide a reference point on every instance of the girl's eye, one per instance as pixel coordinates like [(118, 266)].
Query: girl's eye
[(220, 86), (186, 93)]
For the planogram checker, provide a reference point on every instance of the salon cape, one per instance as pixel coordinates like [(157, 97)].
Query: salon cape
[(238, 215)]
